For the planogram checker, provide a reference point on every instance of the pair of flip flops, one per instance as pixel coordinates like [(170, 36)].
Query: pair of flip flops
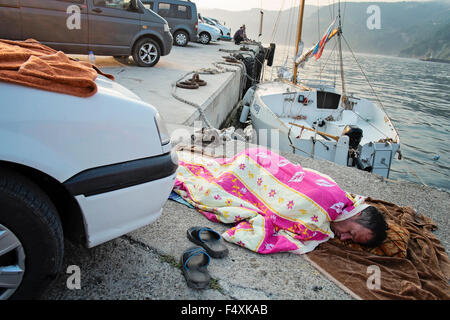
[(195, 260)]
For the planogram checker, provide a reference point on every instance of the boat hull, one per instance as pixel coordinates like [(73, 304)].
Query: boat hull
[(284, 133)]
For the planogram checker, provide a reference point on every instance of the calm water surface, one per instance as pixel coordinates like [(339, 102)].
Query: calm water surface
[(414, 93)]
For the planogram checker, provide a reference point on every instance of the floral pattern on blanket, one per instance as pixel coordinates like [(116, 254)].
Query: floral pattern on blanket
[(276, 205)]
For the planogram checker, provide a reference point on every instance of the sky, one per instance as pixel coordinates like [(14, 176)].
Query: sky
[(238, 5)]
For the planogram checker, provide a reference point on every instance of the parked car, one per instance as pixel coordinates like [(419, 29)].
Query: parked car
[(118, 28), (207, 33), (89, 169), (224, 31), (181, 16)]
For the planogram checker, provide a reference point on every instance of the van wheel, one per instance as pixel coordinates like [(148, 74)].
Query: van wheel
[(146, 52), (31, 238), (181, 38), (204, 38)]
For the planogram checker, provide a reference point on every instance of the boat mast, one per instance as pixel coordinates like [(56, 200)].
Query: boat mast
[(339, 34), (299, 37)]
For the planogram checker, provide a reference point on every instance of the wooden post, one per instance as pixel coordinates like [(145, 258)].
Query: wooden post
[(299, 37)]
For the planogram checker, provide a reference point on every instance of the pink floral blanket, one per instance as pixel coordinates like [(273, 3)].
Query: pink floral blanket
[(276, 205)]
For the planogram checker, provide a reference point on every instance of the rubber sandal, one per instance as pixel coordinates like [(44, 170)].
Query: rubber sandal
[(194, 263), (208, 239)]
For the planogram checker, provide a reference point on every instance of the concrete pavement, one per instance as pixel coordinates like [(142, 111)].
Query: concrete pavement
[(155, 85), (144, 264)]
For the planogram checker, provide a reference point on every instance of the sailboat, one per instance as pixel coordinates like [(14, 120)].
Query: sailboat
[(319, 122)]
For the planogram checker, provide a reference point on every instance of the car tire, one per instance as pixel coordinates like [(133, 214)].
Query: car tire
[(180, 38), (31, 238), (204, 37), (146, 52)]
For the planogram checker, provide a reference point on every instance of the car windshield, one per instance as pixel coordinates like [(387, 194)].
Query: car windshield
[(215, 21), (209, 21)]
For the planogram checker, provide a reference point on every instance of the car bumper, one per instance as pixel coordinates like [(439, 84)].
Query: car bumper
[(215, 37), (168, 43), (113, 214), (121, 198), (193, 37)]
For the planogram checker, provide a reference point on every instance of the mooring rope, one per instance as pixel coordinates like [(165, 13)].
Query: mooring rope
[(197, 106), (219, 69), (371, 87)]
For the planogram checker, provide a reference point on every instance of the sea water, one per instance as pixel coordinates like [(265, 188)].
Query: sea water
[(415, 94)]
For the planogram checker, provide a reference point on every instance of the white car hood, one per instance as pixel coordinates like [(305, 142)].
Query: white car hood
[(107, 86), (62, 135)]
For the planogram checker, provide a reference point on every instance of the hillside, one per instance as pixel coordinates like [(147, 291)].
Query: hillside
[(407, 28), (436, 46)]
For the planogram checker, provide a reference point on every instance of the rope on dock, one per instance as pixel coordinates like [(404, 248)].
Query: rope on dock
[(244, 74), (219, 69)]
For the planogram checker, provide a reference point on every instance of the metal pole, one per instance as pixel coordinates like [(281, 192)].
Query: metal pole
[(340, 50), (261, 23)]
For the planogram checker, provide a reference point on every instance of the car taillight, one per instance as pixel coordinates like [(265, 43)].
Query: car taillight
[(162, 130), (196, 26)]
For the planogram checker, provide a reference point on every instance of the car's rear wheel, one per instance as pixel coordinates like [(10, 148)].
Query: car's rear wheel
[(204, 38), (146, 52), (31, 238), (181, 38)]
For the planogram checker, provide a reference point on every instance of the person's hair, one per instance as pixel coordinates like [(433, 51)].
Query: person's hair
[(373, 220)]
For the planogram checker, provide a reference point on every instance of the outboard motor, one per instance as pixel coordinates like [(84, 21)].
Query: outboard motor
[(355, 135)]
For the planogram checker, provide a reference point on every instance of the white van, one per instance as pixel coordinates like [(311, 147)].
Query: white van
[(90, 169), (118, 28)]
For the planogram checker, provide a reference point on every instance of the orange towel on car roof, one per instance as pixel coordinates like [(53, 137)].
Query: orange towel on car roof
[(33, 64)]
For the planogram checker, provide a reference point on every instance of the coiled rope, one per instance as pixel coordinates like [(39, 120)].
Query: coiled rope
[(217, 70)]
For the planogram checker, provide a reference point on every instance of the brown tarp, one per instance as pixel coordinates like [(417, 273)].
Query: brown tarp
[(33, 64), (423, 275)]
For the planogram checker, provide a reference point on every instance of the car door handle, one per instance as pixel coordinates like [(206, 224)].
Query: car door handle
[(97, 10)]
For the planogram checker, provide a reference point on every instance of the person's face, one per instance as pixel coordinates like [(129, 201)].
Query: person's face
[(351, 230)]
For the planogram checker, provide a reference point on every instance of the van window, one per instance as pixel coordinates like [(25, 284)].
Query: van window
[(168, 10), (164, 9), (113, 4), (182, 12)]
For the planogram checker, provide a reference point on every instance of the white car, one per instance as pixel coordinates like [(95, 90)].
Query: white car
[(207, 33), (91, 169), (224, 31)]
